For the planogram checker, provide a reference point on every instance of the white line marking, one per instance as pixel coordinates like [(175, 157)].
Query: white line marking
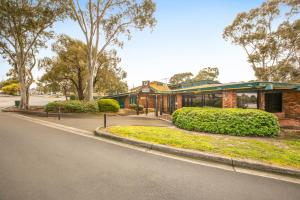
[(90, 134)]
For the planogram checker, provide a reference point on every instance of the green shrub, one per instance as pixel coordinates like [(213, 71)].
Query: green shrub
[(72, 106), (231, 121), (73, 97), (108, 105), (11, 89), (134, 107)]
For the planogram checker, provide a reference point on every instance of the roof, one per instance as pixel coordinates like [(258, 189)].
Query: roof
[(156, 86), (240, 86), (162, 88)]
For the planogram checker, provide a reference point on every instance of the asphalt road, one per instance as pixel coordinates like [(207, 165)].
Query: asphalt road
[(41, 163)]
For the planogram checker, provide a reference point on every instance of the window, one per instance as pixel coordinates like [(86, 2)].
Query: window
[(273, 102), (213, 100), (247, 100), (200, 100), (133, 99)]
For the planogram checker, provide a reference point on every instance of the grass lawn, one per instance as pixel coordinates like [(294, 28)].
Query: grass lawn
[(278, 151)]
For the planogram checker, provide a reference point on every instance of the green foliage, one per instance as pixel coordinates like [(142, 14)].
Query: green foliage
[(11, 89), (269, 35), (134, 107), (108, 105), (180, 78), (208, 73), (72, 106), (73, 97), (231, 121), (8, 82)]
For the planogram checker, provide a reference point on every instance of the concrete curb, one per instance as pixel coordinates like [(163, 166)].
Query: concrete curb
[(234, 162)]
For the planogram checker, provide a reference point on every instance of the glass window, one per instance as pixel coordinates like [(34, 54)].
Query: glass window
[(273, 102), (247, 100), (213, 100), (133, 99), (200, 100)]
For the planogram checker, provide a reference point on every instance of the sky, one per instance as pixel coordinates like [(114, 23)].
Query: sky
[(187, 38)]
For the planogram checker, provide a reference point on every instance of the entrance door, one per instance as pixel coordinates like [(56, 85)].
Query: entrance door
[(122, 102), (273, 102)]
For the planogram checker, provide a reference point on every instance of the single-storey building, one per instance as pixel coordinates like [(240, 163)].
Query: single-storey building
[(283, 99)]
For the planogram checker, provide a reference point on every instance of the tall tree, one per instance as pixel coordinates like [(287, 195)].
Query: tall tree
[(68, 66), (208, 73), (180, 78), (24, 28), (104, 21), (67, 71), (270, 36)]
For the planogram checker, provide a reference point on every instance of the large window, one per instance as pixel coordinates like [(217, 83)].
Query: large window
[(213, 100), (247, 100), (273, 102), (200, 100)]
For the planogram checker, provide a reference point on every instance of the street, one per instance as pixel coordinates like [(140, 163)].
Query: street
[(43, 163)]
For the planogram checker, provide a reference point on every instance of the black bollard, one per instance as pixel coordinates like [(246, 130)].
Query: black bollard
[(104, 120)]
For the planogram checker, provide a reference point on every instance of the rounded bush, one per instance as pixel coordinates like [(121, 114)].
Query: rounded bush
[(11, 89), (108, 105), (231, 121), (72, 106)]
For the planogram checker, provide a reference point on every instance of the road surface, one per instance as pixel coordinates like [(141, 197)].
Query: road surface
[(42, 163)]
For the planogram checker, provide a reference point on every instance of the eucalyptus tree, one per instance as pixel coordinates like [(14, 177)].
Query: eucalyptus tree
[(181, 77), (208, 73), (270, 36), (106, 22), (67, 70), (25, 27)]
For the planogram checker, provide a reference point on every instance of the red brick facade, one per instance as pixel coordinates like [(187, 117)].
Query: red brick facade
[(291, 104), (179, 101), (229, 99)]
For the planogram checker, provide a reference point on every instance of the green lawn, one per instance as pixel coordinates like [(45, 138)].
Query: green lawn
[(283, 152)]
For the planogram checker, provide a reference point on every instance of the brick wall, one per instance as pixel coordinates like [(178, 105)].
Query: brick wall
[(165, 103), (127, 101), (229, 99), (179, 101), (261, 100), (291, 104)]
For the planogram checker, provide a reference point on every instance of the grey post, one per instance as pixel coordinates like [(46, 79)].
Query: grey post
[(104, 120)]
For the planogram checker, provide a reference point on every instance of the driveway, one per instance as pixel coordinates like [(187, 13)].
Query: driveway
[(38, 162)]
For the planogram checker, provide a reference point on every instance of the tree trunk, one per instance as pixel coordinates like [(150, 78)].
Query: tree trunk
[(22, 80), (27, 98), (90, 75), (80, 85)]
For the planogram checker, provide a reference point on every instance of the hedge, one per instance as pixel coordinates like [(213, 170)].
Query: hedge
[(231, 121), (72, 106), (108, 105)]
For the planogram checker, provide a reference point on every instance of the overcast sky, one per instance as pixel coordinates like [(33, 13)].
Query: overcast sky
[(188, 37)]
